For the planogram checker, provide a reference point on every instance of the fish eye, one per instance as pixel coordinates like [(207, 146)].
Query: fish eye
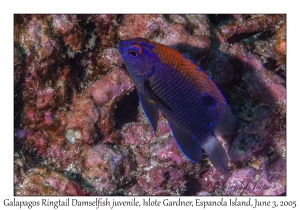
[(135, 52)]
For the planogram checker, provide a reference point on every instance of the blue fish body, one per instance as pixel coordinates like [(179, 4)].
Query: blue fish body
[(193, 105)]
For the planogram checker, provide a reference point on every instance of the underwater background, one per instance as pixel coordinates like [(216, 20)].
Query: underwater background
[(79, 128)]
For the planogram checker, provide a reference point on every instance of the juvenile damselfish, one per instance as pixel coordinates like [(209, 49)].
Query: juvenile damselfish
[(193, 105)]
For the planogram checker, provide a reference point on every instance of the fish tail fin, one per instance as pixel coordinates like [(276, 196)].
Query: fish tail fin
[(216, 154)]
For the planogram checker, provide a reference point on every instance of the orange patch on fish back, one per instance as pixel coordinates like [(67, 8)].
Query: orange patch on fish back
[(168, 55)]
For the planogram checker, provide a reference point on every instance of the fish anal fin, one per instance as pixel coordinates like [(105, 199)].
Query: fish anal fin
[(225, 125), (187, 143), (217, 155)]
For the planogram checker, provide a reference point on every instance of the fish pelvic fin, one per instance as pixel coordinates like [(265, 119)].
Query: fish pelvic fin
[(216, 154), (187, 143), (150, 110)]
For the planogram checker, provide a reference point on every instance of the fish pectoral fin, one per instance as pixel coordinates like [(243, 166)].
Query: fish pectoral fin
[(187, 143), (149, 93), (226, 123), (150, 110), (216, 154)]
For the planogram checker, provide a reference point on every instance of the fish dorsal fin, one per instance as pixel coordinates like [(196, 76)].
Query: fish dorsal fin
[(216, 154), (150, 110), (225, 125), (187, 143)]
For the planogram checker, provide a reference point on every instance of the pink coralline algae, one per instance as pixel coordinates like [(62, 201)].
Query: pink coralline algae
[(79, 127), (106, 165)]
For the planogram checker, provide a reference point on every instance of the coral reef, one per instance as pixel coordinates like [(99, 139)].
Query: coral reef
[(43, 181), (79, 128)]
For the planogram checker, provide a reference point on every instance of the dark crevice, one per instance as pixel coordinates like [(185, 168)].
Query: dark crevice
[(69, 94), (167, 18), (99, 136), (18, 142), (217, 19), (18, 94), (192, 186), (266, 35), (238, 37), (190, 28), (126, 109), (119, 18), (253, 36), (77, 70), (271, 64), (90, 27), (164, 184), (82, 20)]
